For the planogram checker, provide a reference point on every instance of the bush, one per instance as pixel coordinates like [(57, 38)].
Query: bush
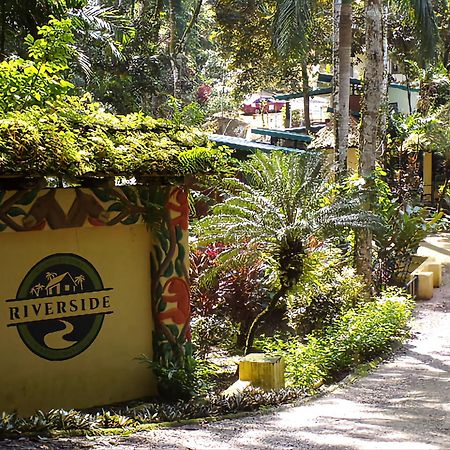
[(328, 289), (359, 335), (212, 330), (223, 306), (403, 227)]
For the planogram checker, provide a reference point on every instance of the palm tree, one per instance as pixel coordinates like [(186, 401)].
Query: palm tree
[(79, 281), (50, 275), (292, 37), (37, 289), (287, 201)]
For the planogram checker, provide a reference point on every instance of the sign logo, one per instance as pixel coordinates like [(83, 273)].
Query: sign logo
[(60, 306)]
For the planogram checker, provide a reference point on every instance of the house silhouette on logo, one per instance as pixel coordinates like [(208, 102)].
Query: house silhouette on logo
[(62, 284)]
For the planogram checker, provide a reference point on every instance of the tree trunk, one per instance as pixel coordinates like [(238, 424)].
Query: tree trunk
[(261, 316), (342, 112), (305, 81), (335, 94), (370, 139), (3, 32), (385, 87)]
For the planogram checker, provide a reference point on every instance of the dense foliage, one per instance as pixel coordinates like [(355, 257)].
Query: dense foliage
[(359, 335), (76, 138), (44, 131), (329, 288), (286, 210)]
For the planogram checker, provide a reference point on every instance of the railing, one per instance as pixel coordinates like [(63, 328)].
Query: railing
[(412, 286)]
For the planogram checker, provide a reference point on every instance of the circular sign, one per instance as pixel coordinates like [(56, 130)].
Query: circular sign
[(63, 297)]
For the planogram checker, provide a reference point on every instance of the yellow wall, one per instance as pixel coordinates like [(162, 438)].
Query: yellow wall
[(107, 371), (352, 158)]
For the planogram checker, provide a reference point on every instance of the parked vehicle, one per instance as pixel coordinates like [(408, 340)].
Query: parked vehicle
[(266, 104)]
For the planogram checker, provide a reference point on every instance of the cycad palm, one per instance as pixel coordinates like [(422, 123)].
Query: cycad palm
[(286, 201)]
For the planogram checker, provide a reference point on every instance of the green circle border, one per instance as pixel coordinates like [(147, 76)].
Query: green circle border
[(23, 294)]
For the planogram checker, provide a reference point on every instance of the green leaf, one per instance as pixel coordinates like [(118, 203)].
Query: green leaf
[(179, 232), (130, 193), (179, 267), (115, 207), (165, 244), (131, 220), (173, 329), (3, 227), (162, 306), (181, 252), (14, 212), (169, 271), (27, 198), (101, 194)]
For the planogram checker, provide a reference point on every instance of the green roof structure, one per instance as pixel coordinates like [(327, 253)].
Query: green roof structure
[(81, 140)]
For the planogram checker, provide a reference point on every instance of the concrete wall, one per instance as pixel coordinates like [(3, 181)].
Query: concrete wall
[(75, 299), (399, 95)]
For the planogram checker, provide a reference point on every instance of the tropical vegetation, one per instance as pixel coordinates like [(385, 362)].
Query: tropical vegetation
[(292, 255)]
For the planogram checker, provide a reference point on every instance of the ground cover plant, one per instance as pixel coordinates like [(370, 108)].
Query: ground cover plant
[(359, 335)]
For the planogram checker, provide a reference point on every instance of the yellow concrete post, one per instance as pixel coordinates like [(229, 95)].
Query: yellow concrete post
[(427, 175), (425, 285), (436, 268), (352, 160), (264, 371)]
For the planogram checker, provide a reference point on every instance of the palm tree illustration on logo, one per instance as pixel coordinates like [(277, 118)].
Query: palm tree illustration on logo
[(79, 281), (50, 275), (35, 290)]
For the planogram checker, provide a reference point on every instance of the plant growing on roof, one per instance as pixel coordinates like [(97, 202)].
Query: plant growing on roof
[(278, 216)]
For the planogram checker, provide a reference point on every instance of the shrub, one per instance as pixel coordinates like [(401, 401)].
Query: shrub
[(359, 335), (403, 227), (224, 308), (328, 289)]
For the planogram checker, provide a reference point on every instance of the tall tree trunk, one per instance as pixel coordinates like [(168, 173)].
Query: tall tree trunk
[(3, 31), (173, 35), (342, 112), (261, 317), (335, 94), (385, 87), (305, 82), (370, 138)]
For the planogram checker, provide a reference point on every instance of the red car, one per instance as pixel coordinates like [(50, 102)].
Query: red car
[(268, 104)]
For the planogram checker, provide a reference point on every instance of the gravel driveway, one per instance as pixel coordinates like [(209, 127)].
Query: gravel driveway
[(403, 405)]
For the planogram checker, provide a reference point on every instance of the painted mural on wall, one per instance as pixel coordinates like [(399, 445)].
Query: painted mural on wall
[(170, 288), (60, 307), (32, 210), (164, 209)]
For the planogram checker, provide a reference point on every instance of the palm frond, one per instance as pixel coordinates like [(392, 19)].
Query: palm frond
[(424, 19), (291, 24)]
